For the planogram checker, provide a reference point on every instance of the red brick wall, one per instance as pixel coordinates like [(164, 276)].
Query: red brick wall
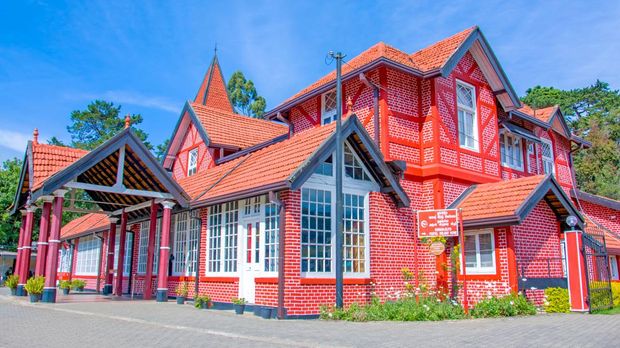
[(602, 215), (192, 140)]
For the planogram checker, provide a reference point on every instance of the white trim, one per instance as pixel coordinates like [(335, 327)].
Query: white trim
[(543, 157), (502, 148), (479, 270), (192, 168), (332, 115), (474, 110)]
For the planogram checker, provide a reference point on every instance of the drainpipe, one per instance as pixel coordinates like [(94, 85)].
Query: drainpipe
[(197, 258), (99, 261), (375, 101)]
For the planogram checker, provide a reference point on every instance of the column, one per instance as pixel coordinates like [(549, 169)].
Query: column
[(121, 255), (109, 275), (44, 224), (20, 240), (164, 253), (148, 276), (24, 266), (51, 266), (576, 271)]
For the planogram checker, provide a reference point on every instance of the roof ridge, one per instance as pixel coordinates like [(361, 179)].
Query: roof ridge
[(234, 114)]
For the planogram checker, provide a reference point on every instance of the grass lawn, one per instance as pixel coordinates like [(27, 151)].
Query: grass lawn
[(615, 310)]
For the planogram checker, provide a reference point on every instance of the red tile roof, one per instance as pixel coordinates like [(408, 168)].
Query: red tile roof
[(425, 60), (212, 91), (228, 128), (272, 165), (612, 240), (49, 159), (500, 199), (84, 223), (543, 114)]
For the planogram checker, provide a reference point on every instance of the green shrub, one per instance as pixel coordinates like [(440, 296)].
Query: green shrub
[(238, 301), (65, 284), (78, 284), (407, 309), (556, 300), (12, 281), (35, 285), (506, 306), (615, 290), (199, 300), (182, 289)]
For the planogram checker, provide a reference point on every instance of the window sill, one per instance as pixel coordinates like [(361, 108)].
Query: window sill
[(332, 281), (219, 279), (266, 280), (481, 277)]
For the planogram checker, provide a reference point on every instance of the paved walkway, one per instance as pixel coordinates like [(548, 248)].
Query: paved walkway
[(149, 324)]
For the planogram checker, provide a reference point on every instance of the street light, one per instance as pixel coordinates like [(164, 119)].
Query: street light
[(571, 221)]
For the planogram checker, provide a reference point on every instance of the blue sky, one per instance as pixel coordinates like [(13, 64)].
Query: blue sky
[(150, 56)]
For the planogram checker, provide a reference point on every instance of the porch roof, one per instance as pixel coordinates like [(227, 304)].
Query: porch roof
[(510, 202), (84, 224)]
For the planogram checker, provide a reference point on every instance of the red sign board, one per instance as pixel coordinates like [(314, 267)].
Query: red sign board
[(438, 223)]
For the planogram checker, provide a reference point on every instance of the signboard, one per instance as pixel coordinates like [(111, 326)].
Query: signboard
[(436, 248), (438, 223)]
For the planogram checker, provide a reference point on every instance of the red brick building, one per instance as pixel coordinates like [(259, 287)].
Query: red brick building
[(438, 128)]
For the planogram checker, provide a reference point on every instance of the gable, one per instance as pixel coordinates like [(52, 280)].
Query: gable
[(213, 91), (192, 140)]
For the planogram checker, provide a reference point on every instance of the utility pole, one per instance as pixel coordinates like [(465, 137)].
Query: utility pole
[(338, 162)]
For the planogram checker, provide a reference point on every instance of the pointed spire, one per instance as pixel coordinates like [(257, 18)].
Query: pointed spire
[(213, 92), (35, 136), (127, 121)]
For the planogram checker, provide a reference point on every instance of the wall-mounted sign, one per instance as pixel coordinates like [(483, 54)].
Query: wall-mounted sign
[(436, 248), (438, 223)]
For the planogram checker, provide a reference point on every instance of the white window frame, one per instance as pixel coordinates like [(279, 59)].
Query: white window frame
[(127, 258), (265, 270), (505, 147), (479, 270), (87, 260), (225, 214), (546, 159), (192, 166), (472, 110), (350, 186), (64, 259), (327, 116), (143, 246), (186, 239)]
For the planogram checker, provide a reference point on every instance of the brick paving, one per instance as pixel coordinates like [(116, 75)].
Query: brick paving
[(148, 324)]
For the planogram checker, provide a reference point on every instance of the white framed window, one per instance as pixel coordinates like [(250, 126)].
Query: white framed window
[(252, 205), (192, 162), (548, 162), (353, 167), (328, 107), (272, 231), (64, 257), (480, 252), (317, 224), (88, 255), (127, 256), (223, 238), (186, 238), (468, 119), (511, 150), (193, 241), (144, 246)]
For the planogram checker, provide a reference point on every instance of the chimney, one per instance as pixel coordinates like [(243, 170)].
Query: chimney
[(35, 136)]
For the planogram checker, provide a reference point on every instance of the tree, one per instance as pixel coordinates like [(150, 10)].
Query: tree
[(99, 122), (55, 141), (9, 225), (592, 112), (244, 97), (160, 150)]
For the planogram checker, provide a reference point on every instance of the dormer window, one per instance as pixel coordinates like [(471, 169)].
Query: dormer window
[(468, 120), (547, 156), (511, 151), (192, 162), (328, 110)]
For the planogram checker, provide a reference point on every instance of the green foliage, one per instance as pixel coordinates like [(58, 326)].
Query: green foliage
[(9, 225), (615, 291), (99, 122), (406, 309), (12, 281), (56, 142), (507, 306), (160, 150), (182, 289), (238, 301), (556, 300), (244, 97), (65, 284), (78, 284), (200, 300), (593, 112), (35, 285)]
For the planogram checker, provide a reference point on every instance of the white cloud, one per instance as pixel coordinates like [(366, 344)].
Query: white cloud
[(15, 141), (132, 98)]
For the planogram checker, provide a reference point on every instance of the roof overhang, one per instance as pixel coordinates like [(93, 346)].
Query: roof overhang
[(187, 117), (25, 180), (522, 132), (523, 116), (595, 199)]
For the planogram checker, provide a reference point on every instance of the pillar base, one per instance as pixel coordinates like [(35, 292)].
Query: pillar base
[(49, 295), (20, 291), (107, 289), (162, 295)]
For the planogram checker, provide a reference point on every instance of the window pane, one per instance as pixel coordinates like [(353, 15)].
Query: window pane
[(316, 243), (271, 237), (354, 234)]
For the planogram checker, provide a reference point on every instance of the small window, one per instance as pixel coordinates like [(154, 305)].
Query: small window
[(325, 168), (328, 112), (480, 252), (192, 162), (511, 151), (547, 156), (468, 123), (352, 165)]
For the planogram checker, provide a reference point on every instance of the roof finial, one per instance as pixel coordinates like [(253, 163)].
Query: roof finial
[(127, 121), (349, 105), (35, 136), (215, 49)]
